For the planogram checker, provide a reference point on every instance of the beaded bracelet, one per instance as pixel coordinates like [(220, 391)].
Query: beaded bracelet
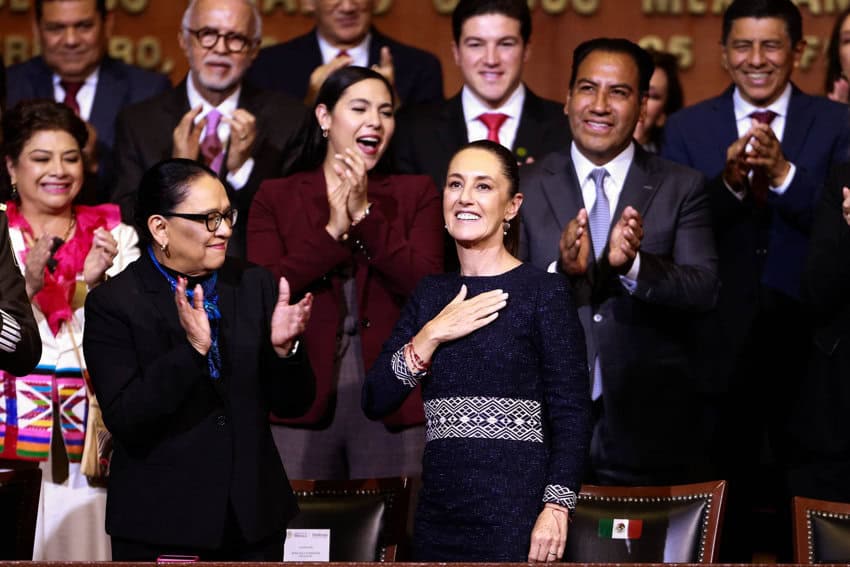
[(421, 364)]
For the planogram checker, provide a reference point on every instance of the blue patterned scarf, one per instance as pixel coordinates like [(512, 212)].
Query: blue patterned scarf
[(208, 284)]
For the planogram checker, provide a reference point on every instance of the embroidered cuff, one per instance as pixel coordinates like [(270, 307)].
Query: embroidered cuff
[(402, 372), (10, 332), (561, 495)]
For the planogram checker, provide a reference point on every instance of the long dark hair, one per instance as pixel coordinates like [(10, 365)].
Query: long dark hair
[(510, 170), (833, 53), (314, 146)]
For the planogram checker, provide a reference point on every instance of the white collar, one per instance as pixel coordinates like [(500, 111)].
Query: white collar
[(743, 109), (227, 106), (473, 107), (618, 168), (91, 79), (358, 53)]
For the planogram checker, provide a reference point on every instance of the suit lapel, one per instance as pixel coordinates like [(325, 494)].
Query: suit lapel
[(639, 187), (375, 45), (156, 286), (110, 93), (562, 189), (722, 129), (228, 330), (43, 80), (532, 123), (798, 124), (451, 131)]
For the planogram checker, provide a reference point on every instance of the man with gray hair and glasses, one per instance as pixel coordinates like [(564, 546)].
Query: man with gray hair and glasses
[(242, 133)]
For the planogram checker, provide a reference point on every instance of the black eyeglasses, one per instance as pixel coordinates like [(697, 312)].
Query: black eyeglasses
[(212, 220), (234, 42)]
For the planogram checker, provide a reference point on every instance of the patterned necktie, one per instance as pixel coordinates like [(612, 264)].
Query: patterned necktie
[(600, 214), (211, 147), (71, 89), (759, 183), (493, 121)]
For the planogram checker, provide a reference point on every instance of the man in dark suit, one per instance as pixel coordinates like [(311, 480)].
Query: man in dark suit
[(344, 35), (764, 181), (253, 136), (633, 234), (491, 46), (74, 68)]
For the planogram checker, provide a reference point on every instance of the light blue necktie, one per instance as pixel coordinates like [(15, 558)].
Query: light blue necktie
[(600, 223), (600, 214)]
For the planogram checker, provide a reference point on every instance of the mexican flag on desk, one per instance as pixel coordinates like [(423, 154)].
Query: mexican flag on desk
[(619, 528)]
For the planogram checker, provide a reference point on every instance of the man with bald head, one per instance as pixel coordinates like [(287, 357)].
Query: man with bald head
[(243, 133), (344, 35), (75, 69)]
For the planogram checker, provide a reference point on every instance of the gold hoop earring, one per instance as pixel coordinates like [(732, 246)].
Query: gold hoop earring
[(164, 249)]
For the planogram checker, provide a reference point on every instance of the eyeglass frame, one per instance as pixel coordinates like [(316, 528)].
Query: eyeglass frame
[(250, 42), (214, 216)]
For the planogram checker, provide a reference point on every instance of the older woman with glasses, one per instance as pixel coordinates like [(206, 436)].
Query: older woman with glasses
[(188, 353)]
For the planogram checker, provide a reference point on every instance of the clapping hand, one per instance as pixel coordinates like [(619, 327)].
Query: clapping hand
[(186, 137), (243, 132), (193, 318), (575, 246), (288, 321), (37, 257), (625, 240), (845, 205), (99, 259), (549, 535)]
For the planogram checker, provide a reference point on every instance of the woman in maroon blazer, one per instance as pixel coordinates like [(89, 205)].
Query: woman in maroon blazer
[(359, 241)]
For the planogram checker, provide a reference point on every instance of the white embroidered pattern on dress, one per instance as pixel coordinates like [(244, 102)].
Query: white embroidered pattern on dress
[(557, 494), (483, 418)]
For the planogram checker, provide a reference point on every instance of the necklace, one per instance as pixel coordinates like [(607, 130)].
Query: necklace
[(71, 224)]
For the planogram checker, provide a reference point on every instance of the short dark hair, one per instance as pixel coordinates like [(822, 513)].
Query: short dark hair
[(164, 186), (642, 58), (25, 119), (510, 170), (313, 144), (833, 57), (785, 10), (516, 9), (100, 5)]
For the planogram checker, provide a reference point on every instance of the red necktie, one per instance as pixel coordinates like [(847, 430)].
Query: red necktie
[(493, 121), (759, 183), (211, 147), (342, 53), (71, 89)]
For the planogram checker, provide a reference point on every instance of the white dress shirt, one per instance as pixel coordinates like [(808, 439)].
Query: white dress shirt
[(359, 53), (473, 108), (85, 96), (238, 178), (744, 122)]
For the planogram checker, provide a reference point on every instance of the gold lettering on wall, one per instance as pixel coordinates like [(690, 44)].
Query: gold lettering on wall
[(16, 49), (269, 6), (682, 46), (810, 52), (146, 52), (382, 7), (445, 7), (832, 6), (19, 5)]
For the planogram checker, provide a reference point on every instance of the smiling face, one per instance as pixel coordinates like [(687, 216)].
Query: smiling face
[(759, 56), (48, 173), (73, 37), (491, 55), (217, 72), (344, 23), (604, 105), (193, 249), (477, 199), (362, 119)]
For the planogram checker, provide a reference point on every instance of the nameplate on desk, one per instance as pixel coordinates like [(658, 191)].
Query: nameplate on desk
[(307, 545)]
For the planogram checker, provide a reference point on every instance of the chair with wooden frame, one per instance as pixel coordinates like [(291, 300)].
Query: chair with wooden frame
[(655, 524), (19, 494), (367, 519), (821, 531)]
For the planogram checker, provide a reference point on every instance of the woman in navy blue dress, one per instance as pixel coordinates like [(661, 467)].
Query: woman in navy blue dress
[(499, 353)]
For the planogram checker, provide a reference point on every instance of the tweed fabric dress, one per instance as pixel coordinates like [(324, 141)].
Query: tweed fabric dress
[(507, 414)]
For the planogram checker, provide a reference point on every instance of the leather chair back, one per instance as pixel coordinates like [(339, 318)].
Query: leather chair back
[(660, 524), (19, 493), (821, 531), (367, 518)]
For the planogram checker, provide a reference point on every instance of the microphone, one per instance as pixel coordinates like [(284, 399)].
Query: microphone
[(51, 261)]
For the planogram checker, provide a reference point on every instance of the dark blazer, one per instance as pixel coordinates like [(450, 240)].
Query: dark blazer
[(650, 390), (427, 137), (818, 423), (287, 66), (144, 137), (392, 249), (185, 445), (118, 85), (15, 303)]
